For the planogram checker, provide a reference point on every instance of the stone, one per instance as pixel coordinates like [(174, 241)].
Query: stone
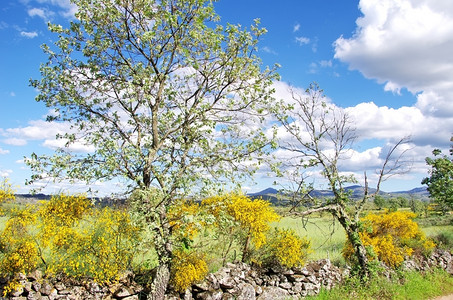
[(18, 291), (273, 293), (47, 289), (227, 296), (247, 292), (227, 282), (258, 290), (297, 287), (59, 286), (210, 295), (296, 278), (35, 275), (36, 286), (285, 285), (132, 297), (122, 292), (202, 286), (28, 287), (32, 295)]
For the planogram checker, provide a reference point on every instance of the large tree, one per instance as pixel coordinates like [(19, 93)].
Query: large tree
[(167, 96), (319, 137), (440, 182)]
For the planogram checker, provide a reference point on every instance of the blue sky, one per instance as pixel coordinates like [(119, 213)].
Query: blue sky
[(387, 63)]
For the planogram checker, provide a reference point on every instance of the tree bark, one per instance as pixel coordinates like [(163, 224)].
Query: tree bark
[(352, 231), (164, 251), (160, 282)]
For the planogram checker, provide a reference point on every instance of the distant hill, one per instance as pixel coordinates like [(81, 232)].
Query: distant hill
[(357, 192)]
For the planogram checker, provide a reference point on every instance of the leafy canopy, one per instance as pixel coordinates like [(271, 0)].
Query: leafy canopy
[(440, 182), (158, 92)]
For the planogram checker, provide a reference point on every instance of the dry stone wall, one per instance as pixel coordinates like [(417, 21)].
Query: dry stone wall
[(234, 281)]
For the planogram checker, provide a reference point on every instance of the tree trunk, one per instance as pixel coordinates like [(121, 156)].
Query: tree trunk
[(352, 232), (164, 251), (360, 252), (160, 282)]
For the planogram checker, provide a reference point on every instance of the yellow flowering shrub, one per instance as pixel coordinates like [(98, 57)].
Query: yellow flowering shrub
[(186, 269), (185, 218), (77, 239), (284, 247), (100, 247), (6, 191), (390, 237), (288, 248), (18, 251), (252, 216)]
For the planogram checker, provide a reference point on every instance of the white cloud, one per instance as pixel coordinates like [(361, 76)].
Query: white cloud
[(384, 123), (40, 12), (325, 63), (405, 44), (15, 141), (12, 94), (78, 146), (302, 40), (2, 151), (5, 173), (29, 34), (268, 50), (37, 130), (296, 27), (68, 8)]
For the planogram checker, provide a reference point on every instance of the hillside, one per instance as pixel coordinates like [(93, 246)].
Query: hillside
[(356, 191)]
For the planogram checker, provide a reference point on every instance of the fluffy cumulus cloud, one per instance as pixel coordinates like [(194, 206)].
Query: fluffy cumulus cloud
[(62, 7), (377, 129), (45, 131), (405, 44)]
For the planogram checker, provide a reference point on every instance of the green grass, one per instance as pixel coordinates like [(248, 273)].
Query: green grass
[(409, 285), (326, 235)]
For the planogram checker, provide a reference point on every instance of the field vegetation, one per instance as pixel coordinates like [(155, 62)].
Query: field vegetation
[(69, 235)]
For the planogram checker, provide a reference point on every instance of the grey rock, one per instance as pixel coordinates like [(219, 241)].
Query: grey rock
[(210, 295), (122, 292), (247, 292), (35, 275), (273, 293), (228, 296), (227, 282), (36, 286), (32, 295), (296, 278), (285, 285), (18, 291), (47, 289)]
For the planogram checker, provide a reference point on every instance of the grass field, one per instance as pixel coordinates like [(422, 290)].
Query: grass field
[(327, 236)]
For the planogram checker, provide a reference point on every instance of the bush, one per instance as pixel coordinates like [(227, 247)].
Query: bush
[(186, 269), (100, 247), (390, 237), (19, 252), (240, 219), (77, 240), (284, 247)]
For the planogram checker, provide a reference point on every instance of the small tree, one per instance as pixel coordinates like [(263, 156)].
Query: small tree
[(440, 182), (321, 135), (380, 202), (166, 98)]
